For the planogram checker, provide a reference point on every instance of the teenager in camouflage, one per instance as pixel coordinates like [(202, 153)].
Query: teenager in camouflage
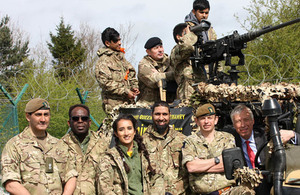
[(115, 75), (164, 145), (85, 146), (34, 162), (180, 60), (202, 154), (155, 66), (126, 168)]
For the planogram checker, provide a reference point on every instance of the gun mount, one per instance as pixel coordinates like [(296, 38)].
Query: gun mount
[(212, 52)]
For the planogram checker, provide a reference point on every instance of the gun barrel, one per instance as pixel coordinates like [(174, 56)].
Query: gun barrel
[(252, 35)]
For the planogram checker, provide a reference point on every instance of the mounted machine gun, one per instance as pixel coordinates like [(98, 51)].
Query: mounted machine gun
[(212, 52)]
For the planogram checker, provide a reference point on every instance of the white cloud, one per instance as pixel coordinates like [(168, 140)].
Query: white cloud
[(151, 18)]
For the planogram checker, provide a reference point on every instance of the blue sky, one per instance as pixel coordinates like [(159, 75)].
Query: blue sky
[(150, 18)]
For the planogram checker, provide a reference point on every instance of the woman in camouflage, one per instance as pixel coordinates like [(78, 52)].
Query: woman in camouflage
[(126, 168)]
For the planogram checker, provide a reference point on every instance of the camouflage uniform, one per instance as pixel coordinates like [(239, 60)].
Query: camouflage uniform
[(166, 154), (112, 177), (196, 146), (111, 70), (181, 63), (85, 162), (24, 159), (148, 79)]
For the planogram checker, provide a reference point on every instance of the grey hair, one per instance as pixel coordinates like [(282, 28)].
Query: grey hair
[(238, 109)]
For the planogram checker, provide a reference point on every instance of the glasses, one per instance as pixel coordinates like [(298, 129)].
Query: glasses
[(83, 118)]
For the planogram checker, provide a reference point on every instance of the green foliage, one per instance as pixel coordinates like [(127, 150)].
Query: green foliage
[(12, 50), (66, 50), (274, 56), (57, 82), (60, 94)]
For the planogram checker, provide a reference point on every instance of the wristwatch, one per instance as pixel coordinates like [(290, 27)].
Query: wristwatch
[(217, 160)]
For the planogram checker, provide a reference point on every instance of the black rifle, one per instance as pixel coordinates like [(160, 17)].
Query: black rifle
[(211, 52)]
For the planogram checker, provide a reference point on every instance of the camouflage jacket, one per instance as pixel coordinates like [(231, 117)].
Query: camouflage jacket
[(24, 159), (150, 72), (196, 145), (166, 154), (112, 177), (85, 163), (116, 76), (181, 63)]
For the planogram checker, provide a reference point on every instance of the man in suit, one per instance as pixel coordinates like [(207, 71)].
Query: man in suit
[(243, 121), (250, 140)]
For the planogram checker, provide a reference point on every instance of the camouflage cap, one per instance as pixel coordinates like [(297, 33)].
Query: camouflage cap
[(36, 104), (152, 42), (205, 110)]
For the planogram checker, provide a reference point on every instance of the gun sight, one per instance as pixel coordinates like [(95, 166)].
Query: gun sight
[(203, 26)]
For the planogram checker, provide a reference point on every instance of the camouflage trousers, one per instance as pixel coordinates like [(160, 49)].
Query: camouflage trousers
[(241, 190)]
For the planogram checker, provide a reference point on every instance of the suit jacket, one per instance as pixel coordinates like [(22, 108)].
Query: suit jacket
[(260, 139)]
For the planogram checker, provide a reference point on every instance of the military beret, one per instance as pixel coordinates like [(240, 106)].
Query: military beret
[(205, 110), (152, 42), (36, 104)]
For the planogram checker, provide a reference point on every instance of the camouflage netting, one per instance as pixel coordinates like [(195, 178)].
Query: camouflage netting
[(249, 178), (240, 93)]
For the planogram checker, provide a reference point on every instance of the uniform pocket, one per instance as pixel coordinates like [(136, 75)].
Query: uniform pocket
[(176, 157), (117, 73)]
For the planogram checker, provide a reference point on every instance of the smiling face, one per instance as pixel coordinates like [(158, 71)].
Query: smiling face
[(161, 119), (125, 133), (38, 120), (243, 124), (207, 123), (79, 121)]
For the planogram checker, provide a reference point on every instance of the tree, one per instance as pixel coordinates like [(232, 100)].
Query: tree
[(60, 94), (273, 57), (128, 40), (12, 50), (91, 41), (66, 50)]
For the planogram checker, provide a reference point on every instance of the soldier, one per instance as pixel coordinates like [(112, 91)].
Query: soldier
[(86, 146), (180, 60), (115, 75), (34, 162), (155, 66), (126, 168), (164, 145), (200, 12), (202, 154)]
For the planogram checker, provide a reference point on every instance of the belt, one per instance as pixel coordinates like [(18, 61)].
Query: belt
[(219, 192)]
